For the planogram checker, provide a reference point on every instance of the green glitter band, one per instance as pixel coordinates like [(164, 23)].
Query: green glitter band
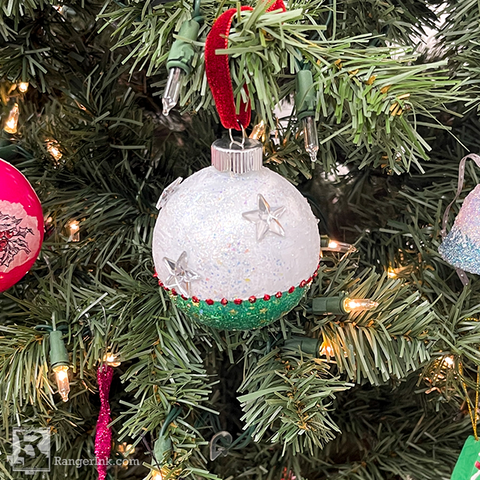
[(245, 316)]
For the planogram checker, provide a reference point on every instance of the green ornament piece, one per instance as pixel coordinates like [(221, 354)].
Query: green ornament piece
[(244, 316), (465, 467)]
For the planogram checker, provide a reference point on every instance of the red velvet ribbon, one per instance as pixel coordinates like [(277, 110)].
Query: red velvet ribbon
[(218, 70)]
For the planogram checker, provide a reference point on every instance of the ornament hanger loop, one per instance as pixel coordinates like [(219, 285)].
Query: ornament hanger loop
[(236, 142), (217, 69)]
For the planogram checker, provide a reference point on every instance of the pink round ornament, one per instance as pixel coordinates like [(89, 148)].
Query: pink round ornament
[(21, 226)]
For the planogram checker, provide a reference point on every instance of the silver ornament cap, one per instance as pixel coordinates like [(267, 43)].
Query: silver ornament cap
[(237, 156)]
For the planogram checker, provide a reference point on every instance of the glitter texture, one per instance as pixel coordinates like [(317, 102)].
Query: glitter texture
[(203, 218), (461, 247), (103, 437), (243, 315), (460, 251)]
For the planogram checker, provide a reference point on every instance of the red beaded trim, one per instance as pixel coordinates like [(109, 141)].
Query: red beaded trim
[(239, 301)]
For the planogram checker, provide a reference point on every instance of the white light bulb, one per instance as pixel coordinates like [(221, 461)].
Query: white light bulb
[(74, 228), (157, 475), (11, 124), (341, 247), (449, 361), (63, 384), (172, 90), (53, 150), (23, 87), (391, 273), (358, 305), (112, 360), (310, 137), (327, 350)]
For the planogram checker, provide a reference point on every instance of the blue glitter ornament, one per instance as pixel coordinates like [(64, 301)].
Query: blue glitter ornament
[(461, 247)]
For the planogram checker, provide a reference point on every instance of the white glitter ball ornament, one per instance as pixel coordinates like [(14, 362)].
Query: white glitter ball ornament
[(235, 244)]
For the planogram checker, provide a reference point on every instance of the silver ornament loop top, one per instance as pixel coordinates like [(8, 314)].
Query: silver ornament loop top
[(231, 156)]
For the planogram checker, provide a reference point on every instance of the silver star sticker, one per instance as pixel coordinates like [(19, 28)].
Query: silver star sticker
[(168, 192), (266, 218), (180, 277)]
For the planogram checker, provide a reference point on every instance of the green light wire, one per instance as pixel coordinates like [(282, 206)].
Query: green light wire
[(197, 15)]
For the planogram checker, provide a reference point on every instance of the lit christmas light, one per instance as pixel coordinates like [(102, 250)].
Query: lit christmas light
[(126, 450), (449, 361), (59, 361), (334, 246), (399, 272), (111, 359), (330, 245), (23, 87), (59, 9), (358, 305), (327, 349), (74, 228), (157, 475), (391, 273), (53, 150), (11, 124), (340, 305), (63, 384)]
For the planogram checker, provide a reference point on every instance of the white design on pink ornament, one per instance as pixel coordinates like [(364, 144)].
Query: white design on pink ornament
[(19, 238)]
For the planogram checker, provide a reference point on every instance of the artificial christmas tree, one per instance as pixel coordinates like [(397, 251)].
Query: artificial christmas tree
[(373, 375)]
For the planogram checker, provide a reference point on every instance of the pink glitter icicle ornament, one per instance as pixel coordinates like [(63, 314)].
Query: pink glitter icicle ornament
[(103, 438)]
